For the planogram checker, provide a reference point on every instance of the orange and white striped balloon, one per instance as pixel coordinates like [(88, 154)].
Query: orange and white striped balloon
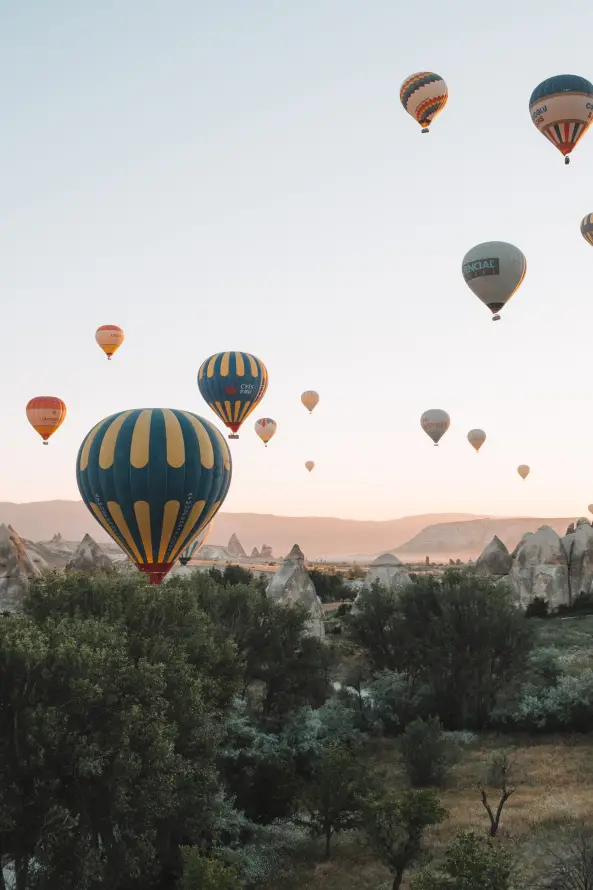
[(110, 338), (46, 414)]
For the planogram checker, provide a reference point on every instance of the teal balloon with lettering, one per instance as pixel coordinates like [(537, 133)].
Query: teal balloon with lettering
[(493, 271)]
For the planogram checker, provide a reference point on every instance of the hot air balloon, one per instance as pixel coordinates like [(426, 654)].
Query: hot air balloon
[(476, 438), (265, 429), (424, 95), (110, 338), (561, 108), (309, 464), (523, 471), (233, 384), (46, 414), (153, 478), (590, 508), (587, 228), (435, 423), (493, 271), (196, 545), (309, 399)]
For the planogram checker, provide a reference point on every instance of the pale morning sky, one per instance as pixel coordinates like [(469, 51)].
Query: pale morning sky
[(240, 175)]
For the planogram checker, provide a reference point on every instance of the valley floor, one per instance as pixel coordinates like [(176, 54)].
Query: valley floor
[(555, 784)]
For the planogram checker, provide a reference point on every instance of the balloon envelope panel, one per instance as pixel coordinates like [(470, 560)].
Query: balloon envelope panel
[(153, 478)]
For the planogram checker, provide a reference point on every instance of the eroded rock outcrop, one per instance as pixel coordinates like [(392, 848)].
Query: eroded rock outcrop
[(540, 569), (578, 546), (235, 547), (388, 571), (16, 570), (291, 584), (89, 557), (255, 553), (266, 552), (495, 560)]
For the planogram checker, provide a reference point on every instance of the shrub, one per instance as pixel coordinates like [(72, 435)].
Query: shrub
[(561, 708), (472, 862), (394, 702), (538, 608), (427, 753), (206, 874)]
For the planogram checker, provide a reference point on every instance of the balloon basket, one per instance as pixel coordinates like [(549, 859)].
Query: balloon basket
[(496, 318), (155, 571), (425, 130), (46, 443), (233, 436), (567, 160)]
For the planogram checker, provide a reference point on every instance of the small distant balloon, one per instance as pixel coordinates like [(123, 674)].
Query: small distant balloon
[(523, 470), (493, 271), (476, 438), (110, 338), (310, 398), (561, 107), (424, 95), (435, 423), (590, 508), (265, 429), (309, 464), (46, 414), (587, 228)]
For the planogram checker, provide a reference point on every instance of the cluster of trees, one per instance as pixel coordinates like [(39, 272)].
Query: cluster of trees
[(188, 736), (459, 648)]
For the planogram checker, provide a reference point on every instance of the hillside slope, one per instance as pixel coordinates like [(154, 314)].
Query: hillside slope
[(467, 539), (317, 536)]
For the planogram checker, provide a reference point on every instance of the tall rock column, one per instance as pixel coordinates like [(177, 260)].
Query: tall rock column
[(291, 584)]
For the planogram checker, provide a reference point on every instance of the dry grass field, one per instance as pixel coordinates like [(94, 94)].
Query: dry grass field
[(555, 784)]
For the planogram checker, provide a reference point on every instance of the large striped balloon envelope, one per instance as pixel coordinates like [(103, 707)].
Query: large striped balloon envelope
[(153, 478)]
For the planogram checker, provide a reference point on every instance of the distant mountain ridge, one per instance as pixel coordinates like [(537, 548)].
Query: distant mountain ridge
[(444, 535), (467, 539), (317, 536)]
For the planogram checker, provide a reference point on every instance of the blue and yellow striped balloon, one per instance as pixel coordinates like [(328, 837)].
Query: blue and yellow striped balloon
[(587, 228), (196, 545), (153, 478), (233, 384)]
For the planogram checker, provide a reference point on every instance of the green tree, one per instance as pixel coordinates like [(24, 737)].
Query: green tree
[(501, 776), (472, 862), (200, 873), (333, 797), (287, 668), (463, 637), (395, 827), (427, 753), (330, 587)]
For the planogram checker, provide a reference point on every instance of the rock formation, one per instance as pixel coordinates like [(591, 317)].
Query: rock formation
[(540, 569), (388, 571), (578, 546), (291, 584), (266, 552), (16, 570), (255, 553), (495, 560), (234, 547), (89, 557)]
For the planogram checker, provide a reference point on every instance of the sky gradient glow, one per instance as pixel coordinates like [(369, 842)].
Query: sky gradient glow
[(241, 175)]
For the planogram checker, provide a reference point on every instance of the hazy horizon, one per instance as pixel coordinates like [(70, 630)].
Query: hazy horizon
[(242, 176)]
